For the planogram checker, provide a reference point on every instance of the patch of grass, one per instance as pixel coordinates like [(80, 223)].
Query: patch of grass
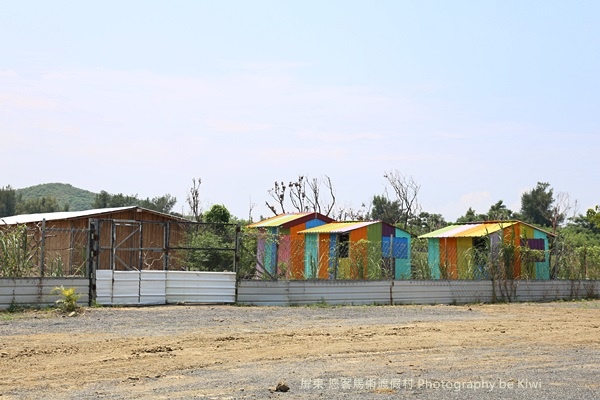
[(96, 305), (6, 316)]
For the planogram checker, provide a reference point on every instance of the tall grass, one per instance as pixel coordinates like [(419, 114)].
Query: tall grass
[(16, 252)]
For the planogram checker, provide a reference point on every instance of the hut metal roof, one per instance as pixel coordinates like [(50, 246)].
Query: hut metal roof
[(284, 220), (478, 229), (339, 227)]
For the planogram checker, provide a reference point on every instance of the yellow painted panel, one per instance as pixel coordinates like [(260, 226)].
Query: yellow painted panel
[(464, 249)]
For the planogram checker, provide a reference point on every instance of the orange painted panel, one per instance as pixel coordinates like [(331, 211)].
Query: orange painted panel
[(359, 260), (323, 257), (517, 242), (449, 257), (513, 235), (297, 252)]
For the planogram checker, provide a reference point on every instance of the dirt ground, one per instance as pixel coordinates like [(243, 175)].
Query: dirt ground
[(549, 350)]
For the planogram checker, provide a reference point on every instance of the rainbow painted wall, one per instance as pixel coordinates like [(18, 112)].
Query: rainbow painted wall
[(280, 248), (357, 250), (452, 255)]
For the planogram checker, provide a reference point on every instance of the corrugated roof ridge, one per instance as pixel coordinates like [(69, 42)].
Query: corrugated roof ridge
[(54, 216)]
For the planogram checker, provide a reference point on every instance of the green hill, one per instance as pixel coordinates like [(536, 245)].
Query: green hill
[(77, 199)]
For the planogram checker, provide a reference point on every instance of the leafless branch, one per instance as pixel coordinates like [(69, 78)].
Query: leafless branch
[(407, 191), (193, 199)]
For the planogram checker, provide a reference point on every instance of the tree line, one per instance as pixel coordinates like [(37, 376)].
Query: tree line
[(12, 202), (398, 205)]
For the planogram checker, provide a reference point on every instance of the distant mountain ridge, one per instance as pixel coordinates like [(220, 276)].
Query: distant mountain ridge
[(77, 199)]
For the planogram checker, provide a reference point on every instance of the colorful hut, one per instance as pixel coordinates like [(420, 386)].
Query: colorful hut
[(280, 247), (356, 250), (514, 249)]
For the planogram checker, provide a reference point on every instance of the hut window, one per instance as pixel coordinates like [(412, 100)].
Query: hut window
[(536, 244), (343, 245), (480, 245)]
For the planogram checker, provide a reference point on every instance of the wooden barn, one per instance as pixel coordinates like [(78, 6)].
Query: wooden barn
[(128, 238), (280, 247), (471, 251), (357, 250)]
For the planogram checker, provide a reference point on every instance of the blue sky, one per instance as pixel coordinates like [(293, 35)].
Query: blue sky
[(476, 100)]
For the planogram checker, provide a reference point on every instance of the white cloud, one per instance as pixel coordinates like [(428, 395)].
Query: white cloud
[(7, 73)]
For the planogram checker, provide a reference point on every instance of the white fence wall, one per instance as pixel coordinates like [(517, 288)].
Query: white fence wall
[(164, 287), (441, 292), (38, 291), (160, 287), (286, 293)]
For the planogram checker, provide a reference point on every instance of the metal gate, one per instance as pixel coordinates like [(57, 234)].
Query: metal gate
[(124, 252)]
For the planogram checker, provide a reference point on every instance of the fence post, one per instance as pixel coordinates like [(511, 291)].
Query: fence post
[(236, 256), (93, 254), (167, 237), (42, 248)]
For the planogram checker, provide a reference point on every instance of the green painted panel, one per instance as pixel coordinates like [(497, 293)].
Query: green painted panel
[(403, 270), (271, 250), (374, 256), (464, 257), (542, 269), (433, 257), (311, 255)]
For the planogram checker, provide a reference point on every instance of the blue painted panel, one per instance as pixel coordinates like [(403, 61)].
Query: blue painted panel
[(386, 251), (332, 255), (542, 269), (399, 247), (433, 257), (314, 223)]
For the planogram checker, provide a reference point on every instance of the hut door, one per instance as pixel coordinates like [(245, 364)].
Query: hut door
[(126, 244)]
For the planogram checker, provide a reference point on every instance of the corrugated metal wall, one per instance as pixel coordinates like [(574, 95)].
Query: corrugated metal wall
[(441, 292), (286, 293), (164, 287), (37, 291), (290, 293), (157, 287)]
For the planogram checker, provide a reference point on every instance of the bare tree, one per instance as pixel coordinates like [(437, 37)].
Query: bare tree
[(351, 214), (304, 194), (406, 190), (278, 194), (560, 209), (250, 209), (315, 200), (193, 199), (298, 194)]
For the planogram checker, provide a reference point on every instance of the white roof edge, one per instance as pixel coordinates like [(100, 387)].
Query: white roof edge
[(29, 218)]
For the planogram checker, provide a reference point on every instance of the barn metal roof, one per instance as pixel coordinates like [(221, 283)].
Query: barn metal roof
[(478, 229), (54, 216), (339, 227)]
